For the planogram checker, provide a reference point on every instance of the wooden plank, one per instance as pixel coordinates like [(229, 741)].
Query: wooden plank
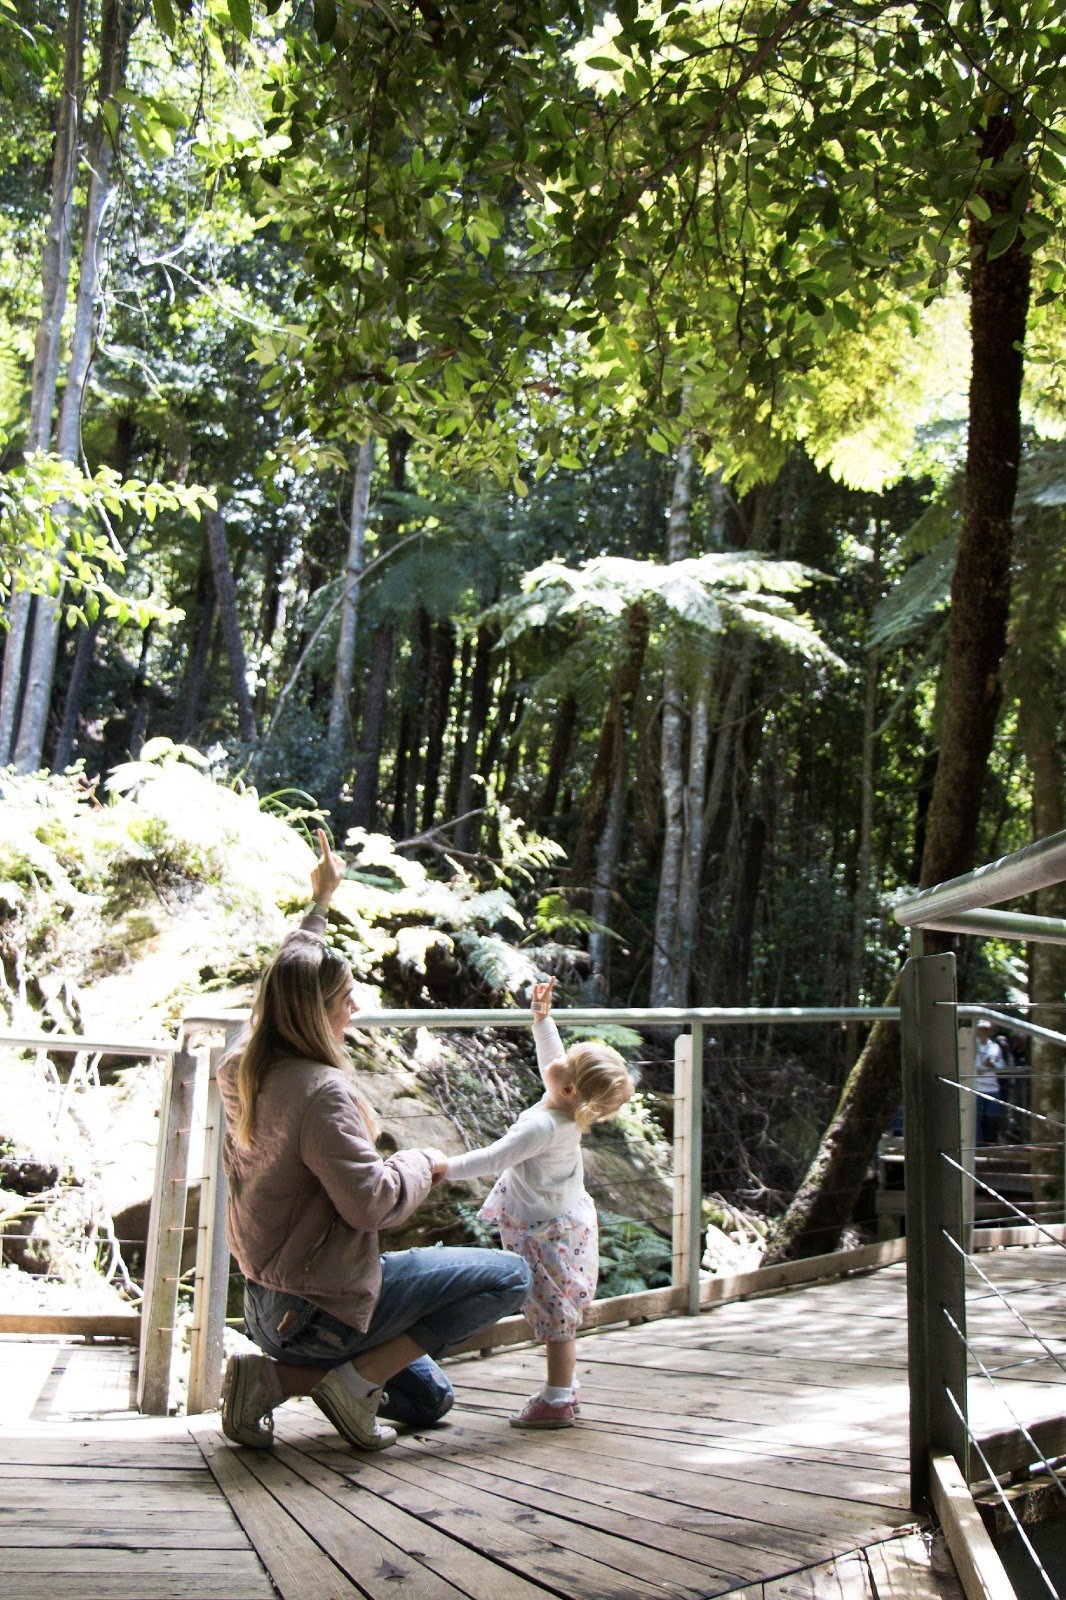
[(298, 1567), (659, 1476), (546, 1549), (474, 1574), (845, 1578), (623, 1515), (112, 1325), (915, 1567), (981, 1571), (377, 1564)]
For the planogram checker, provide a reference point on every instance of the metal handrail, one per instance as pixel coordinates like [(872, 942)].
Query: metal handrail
[(74, 1044), (636, 1016), (1038, 866)]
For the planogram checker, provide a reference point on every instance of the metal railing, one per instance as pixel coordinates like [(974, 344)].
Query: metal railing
[(941, 1097), (197, 1060)]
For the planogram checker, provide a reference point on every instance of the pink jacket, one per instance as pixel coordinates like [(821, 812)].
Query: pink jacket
[(306, 1202)]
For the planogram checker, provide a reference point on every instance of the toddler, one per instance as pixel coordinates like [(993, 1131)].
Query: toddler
[(540, 1203)]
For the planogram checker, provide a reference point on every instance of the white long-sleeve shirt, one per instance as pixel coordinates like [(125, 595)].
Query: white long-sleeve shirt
[(540, 1153)]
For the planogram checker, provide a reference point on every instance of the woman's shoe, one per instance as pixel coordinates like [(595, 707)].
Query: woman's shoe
[(250, 1391), (355, 1417)]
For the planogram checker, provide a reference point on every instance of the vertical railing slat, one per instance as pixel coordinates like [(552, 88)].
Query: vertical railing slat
[(166, 1235), (211, 1288), (935, 1234), (682, 1207)]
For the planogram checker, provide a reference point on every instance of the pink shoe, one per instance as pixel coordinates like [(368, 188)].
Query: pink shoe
[(540, 1413)]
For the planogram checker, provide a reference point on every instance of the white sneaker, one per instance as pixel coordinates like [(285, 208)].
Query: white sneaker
[(248, 1401), (354, 1417)]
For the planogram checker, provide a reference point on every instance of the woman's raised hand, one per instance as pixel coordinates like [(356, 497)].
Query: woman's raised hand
[(541, 1002), (328, 871)]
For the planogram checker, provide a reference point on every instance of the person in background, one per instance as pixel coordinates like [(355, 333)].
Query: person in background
[(309, 1196), (988, 1063)]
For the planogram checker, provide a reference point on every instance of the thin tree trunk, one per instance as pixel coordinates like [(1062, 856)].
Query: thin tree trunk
[(480, 705), (55, 274), (40, 667), (977, 635), (608, 854), (196, 665), (563, 727), (624, 687), (695, 795), (407, 799), (81, 666), (864, 855), (339, 727), (375, 704), (455, 769), (139, 721), (438, 692), (665, 966), (226, 597)]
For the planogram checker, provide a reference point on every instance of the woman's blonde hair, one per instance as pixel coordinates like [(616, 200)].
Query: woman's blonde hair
[(290, 1017), (601, 1080)]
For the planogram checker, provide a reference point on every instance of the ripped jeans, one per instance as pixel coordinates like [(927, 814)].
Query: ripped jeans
[(438, 1297)]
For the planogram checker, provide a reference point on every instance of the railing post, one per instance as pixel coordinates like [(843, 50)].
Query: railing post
[(211, 1286), (935, 1235), (166, 1235), (968, 1128), (688, 1160)]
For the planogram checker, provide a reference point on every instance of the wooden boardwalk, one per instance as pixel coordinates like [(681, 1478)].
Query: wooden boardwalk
[(758, 1451)]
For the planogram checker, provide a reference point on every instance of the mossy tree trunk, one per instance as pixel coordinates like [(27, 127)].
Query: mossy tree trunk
[(977, 638)]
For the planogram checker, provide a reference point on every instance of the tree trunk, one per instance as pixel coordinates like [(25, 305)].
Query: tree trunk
[(339, 727), (372, 728), (977, 635), (438, 691), (81, 666), (139, 720), (864, 853), (375, 705), (455, 770), (196, 662), (563, 725), (612, 742), (480, 705), (55, 274), (405, 814), (226, 597), (40, 666), (694, 811), (665, 973)]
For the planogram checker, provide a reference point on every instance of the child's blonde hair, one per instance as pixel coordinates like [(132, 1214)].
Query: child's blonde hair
[(601, 1081)]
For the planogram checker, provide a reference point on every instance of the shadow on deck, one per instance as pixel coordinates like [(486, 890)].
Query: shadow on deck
[(758, 1450)]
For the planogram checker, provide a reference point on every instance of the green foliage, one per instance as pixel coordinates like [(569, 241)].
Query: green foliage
[(51, 517), (632, 1256)]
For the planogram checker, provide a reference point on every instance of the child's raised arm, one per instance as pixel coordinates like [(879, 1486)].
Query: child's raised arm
[(545, 1033)]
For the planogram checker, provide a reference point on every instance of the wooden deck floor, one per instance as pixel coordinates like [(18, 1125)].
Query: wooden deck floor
[(758, 1451)]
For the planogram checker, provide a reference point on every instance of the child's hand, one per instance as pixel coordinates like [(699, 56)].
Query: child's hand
[(541, 1003), (438, 1165), (328, 871)]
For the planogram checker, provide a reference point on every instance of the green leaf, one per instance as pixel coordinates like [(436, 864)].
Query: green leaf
[(1002, 239), (240, 14), (325, 20), (980, 207), (166, 21)]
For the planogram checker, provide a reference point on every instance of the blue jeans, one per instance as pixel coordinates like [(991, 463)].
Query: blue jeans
[(438, 1297)]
